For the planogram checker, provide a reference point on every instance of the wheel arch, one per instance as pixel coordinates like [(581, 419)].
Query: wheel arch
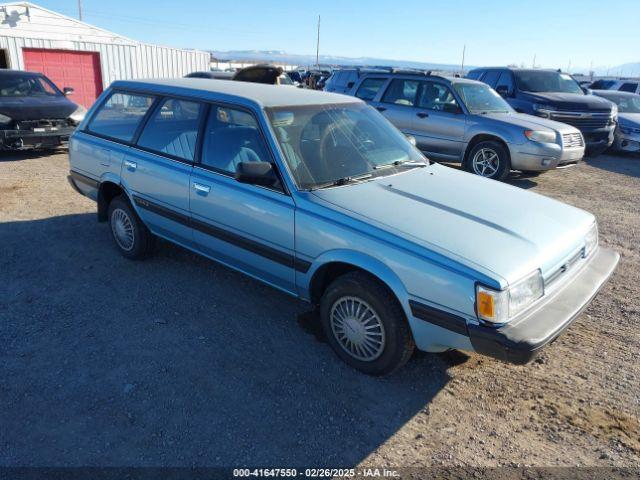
[(331, 265), (483, 137), (107, 191)]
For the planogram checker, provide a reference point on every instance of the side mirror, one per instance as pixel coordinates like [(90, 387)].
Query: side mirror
[(503, 91), (256, 173), (586, 90), (350, 84), (411, 138), (68, 90)]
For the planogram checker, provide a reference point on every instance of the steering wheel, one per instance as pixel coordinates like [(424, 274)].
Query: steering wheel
[(344, 161)]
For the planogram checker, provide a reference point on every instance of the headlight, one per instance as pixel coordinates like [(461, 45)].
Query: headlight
[(4, 119), (591, 240), (77, 116), (541, 136), (543, 110), (500, 306)]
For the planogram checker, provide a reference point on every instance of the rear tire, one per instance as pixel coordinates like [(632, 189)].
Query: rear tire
[(489, 159), (365, 325), (131, 236)]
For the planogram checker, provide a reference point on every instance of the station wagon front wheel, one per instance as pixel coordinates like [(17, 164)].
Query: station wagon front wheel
[(131, 236), (365, 325)]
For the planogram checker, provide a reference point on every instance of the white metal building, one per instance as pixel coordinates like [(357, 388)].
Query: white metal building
[(78, 55)]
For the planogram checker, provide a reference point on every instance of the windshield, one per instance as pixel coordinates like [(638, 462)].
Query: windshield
[(626, 103), (325, 144), (545, 81), (27, 86), (480, 98)]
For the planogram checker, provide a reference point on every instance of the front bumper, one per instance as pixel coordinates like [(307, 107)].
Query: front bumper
[(627, 143), (521, 341), (35, 137), (533, 156)]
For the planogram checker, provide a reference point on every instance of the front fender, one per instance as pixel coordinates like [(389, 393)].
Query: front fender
[(358, 259)]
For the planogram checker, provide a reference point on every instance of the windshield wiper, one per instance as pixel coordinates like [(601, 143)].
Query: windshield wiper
[(343, 181), (401, 163)]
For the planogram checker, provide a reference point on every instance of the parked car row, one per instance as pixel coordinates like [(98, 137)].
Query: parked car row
[(319, 196), (463, 120)]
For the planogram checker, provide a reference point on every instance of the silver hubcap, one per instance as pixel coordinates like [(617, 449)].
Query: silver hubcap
[(485, 162), (122, 229), (357, 328)]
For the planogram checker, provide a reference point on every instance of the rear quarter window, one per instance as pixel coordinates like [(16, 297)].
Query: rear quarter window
[(475, 75), (120, 116)]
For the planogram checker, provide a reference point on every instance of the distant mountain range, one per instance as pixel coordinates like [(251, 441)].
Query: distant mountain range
[(279, 56), (624, 70)]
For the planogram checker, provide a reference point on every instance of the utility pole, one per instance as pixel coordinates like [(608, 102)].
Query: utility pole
[(80, 10), (318, 45), (533, 65), (464, 49), (569, 67)]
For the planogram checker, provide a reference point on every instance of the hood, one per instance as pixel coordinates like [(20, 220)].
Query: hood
[(629, 119), (530, 122), (486, 225), (571, 101), (36, 108)]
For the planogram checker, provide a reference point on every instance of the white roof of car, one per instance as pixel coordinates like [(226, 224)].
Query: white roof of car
[(264, 95)]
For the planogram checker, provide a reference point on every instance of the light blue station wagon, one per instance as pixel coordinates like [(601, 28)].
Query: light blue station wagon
[(320, 196)]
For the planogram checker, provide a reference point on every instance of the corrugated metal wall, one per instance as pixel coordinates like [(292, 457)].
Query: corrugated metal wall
[(117, 61)]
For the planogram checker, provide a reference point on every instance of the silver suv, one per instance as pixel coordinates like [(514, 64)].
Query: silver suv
[(462, 120)]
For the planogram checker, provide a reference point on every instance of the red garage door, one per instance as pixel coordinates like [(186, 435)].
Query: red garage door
[(68, 68)]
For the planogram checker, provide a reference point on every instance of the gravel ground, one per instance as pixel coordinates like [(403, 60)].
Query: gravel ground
[(176, 361)]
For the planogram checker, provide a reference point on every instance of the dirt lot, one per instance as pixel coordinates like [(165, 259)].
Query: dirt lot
[(178, 361)]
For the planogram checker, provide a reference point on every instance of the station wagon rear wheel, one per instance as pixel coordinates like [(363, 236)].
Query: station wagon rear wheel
[(365, 325), (489, 159), (131, 236)]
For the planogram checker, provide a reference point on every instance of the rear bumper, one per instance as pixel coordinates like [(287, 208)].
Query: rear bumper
[(520, 342)]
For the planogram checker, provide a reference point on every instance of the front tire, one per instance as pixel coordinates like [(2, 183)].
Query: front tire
[(489, 159), (131, 236), (365, 325)]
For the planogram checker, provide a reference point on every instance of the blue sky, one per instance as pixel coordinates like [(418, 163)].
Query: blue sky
[(495, 31)]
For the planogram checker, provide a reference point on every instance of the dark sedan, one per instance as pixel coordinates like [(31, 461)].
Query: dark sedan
[(34, 112)]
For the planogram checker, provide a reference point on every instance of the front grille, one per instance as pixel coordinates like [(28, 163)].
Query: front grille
[(564, 268), (42, 123), (583, 120), (572, 140)]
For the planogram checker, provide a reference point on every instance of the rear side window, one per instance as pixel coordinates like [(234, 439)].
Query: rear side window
[(491, 78), (120, 116), (475, 75), (232, 136), (505, 81), (602, 84), (402, 92), (628, 87), (370, 87), (173, 129)]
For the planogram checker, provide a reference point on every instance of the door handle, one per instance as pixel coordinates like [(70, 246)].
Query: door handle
[(130, 165), (200, 188), (422, 114), (381, 109)]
